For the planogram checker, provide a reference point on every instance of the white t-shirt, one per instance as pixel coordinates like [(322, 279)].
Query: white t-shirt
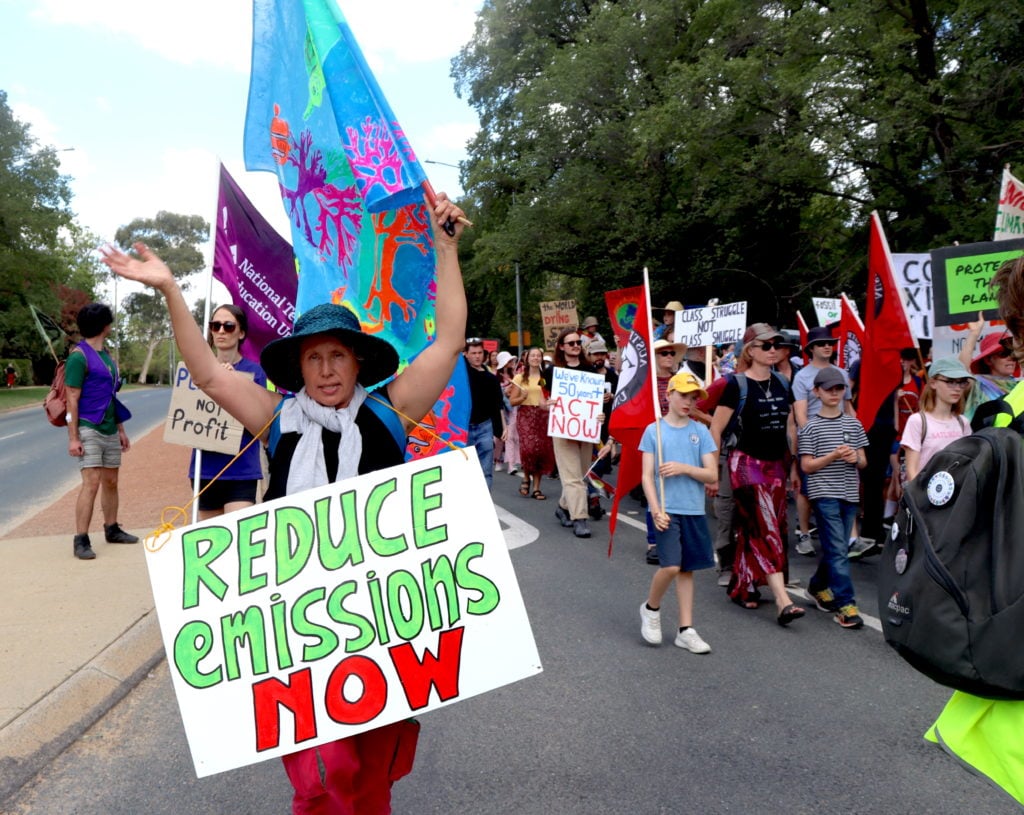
[(940, 433)]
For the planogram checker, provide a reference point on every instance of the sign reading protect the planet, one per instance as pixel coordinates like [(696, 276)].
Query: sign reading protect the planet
[(961, 276)]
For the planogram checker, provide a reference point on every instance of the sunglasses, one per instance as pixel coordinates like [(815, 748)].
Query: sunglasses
[(666, 353), (572, 342), (824, 343), (770, 345), (953, 383), (474, 341), (227, 327), (1002, 353)]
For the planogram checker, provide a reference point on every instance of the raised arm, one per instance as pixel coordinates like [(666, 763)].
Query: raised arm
[(248, 402), (418, 387)]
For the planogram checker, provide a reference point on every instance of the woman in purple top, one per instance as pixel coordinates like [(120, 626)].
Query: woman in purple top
[(235, 488)]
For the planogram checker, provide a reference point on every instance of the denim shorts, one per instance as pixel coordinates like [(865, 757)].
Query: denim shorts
[(99, 450), (686, 543)]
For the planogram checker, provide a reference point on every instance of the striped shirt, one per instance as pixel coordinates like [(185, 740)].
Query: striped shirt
[(819, 437)]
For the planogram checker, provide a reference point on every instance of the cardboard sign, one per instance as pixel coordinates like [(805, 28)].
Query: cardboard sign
[(195, 420), (711, 325), (961, 276), (914, 274), (827, 309), (578, 402), (556, 315), (340, 609)]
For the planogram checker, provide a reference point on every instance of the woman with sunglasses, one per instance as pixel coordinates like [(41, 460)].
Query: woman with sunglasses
[(572, 457), (235, 488), (940, 419), (758, 472), (996, 371)]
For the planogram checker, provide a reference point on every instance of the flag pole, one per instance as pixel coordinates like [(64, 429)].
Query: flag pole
[(654, 390)]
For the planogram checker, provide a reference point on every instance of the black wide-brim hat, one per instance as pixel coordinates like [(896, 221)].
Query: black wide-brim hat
[(280, 359)]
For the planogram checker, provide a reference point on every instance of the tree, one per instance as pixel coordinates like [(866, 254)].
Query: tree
[(176, 238), (733, 147), (34, 209)]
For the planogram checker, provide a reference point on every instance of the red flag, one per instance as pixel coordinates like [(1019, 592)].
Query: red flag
[(886, 329), (624, 310), (802, 324), (851, 334), (633, 407)]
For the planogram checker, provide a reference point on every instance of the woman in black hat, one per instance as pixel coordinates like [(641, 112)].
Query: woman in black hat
[(327, 432)]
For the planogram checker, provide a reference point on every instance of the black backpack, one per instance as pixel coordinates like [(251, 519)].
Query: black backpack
[(951, 578)]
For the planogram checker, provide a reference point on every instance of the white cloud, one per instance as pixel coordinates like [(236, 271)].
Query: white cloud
[(219, 33)]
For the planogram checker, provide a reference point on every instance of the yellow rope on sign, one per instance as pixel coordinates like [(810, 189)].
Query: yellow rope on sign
[(158, 538)]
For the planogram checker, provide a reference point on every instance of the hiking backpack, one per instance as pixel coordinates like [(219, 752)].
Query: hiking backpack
[(951, 577), (56, 402)]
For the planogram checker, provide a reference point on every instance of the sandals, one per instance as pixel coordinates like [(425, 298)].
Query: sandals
[(539, 496), (524, 488), (790, 613), (751, 601)]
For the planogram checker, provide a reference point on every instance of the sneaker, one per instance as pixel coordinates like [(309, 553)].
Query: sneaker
[(513, 470), (825, 600), (803, 544), (863, 547), (594, 508), (563, 517), (650, 625), (499, 467), (652, 556), (691, 641), (887, 522), (580, 528), (848, 617), (115, 534), (724, 578), (83, 548)]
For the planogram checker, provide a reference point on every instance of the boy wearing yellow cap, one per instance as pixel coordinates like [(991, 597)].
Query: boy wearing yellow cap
[(676, 467)]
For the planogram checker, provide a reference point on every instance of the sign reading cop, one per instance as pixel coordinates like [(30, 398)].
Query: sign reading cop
[(341, 609)]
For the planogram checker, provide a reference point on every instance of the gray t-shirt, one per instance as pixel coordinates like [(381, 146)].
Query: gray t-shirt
[(803, 388)]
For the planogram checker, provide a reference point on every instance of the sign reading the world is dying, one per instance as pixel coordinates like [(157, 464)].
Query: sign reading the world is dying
[(341, 609)]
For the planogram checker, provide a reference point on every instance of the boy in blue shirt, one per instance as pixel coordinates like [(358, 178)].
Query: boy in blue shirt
[(831, 448), (686, 461)]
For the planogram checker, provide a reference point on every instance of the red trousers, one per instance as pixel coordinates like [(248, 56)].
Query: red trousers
[(358, 771)]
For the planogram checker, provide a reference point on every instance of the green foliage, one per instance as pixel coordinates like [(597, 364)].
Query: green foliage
[(735, 148), (175, 238)]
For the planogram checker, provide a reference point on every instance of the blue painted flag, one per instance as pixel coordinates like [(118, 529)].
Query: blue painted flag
[(350, 182)]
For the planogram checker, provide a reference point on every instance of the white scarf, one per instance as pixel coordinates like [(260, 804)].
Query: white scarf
[(306, 416)]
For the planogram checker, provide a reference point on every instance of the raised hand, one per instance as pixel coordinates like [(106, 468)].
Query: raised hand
[(147, 268)]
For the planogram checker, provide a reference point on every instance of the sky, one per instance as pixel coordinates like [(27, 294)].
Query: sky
[(145, 98)]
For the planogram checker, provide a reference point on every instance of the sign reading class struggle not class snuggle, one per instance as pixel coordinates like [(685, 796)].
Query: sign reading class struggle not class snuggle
[(343, 608)]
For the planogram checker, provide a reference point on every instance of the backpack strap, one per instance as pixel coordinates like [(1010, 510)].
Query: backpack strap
[(741, 383)]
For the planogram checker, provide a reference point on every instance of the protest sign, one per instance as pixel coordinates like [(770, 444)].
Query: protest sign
[(711, 325), (961, 277), (195, 420), (341, 609), (913, 272), (1010, 212), (556, 315), (828, 309), (578, 402)]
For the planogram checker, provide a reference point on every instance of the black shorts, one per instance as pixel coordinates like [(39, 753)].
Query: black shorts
[(226, 492)]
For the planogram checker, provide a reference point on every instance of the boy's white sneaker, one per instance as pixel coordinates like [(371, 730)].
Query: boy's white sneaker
[(650, 625), (691, 641)]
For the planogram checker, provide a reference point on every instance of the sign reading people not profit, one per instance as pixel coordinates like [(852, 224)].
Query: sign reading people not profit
[(340, 609), (556, 315), (711, 325), (961, 276), (195, 420), (577, 405)]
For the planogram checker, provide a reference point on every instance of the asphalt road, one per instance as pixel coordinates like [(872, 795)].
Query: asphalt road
[(809, 719), (37, 468)]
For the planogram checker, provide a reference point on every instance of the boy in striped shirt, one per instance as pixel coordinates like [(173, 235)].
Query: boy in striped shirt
[(831, 448)]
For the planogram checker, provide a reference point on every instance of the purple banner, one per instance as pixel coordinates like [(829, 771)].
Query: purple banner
[(257, 267)]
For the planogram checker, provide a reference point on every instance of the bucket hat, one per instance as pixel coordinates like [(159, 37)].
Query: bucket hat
[(280, 359)]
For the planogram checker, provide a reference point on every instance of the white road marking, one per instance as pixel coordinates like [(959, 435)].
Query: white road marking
[(519, 532)]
